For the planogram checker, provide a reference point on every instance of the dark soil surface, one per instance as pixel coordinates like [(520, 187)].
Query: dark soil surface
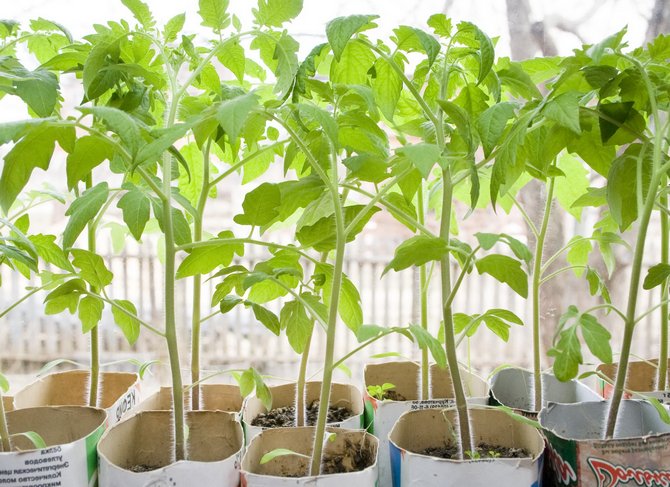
[(143, 468), (281, 417), (354, 459), (393, 396), (483, 450)]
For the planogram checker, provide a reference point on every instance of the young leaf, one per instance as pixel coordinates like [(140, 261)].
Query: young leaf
[(203, 260), (120, 123), (412, 39), (656, 275), (568, 355), (279, 452), (350, 309), (173, 27), (267, 318), (49, 252), (486, 51), (136, 208), (141, 12), (90, 313), (387, 87), (426, 340), (417, 251), (422, 155), (231, 55), (213, 13), (273, 13), (128, 324), (491, 124), (89, 152), (564, 109), (82, 211), (232, 114), (506, 270), (260, 206), (229, 302), (92, 268), (597, 338), (293, 318), (341, 29)]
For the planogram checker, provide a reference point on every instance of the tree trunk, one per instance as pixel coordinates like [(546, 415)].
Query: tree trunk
[(659, 21)]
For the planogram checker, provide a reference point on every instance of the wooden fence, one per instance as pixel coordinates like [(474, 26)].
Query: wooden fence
[(29, 338)]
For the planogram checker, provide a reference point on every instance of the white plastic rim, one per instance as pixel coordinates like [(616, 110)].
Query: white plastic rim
[(120, 392), (215, 444), (420, 429), (300, 441), (513, 387)]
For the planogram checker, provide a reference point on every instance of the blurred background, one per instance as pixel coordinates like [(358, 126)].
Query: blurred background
[(521, 28)]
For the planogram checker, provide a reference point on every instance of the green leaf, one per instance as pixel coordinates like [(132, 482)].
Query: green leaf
[(597, 338), (89, 152), (90, 312), (349, 309), (506, 270), (656, 275), (34, 438), (231, 55), (568, 355), (491, 124), (173, 27), (136, 208), (232, 114), (354, 65), (4, 383), (154, 150), (260, 206), (181, 227), (426, 340), (422, 155), (18, 256), (341, 29), (615, 116), (33, 151), (214, 14), (387, 87), (273, 13), (50, 252), (573, 185), (39, 89), (564, 109), (412, 39), (129, 325), (486, 51), (661, 409), (267, 318), (578, 255), (441, 25), (82, 211), (622, 187), (92, 268), (417, 251), (120, 123), (293, 318), (279, 452), (64, 297), (141, 12), (229, 302)]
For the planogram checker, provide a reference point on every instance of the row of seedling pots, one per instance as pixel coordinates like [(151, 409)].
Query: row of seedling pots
[(408, 434)]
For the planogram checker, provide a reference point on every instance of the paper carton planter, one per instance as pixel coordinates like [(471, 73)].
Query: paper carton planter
[(514, 387), (70, 459), (145, 439), (638, 455), (641, 378), (213, 397), (8, 403), (341, 395), (300, 440), (119, 392), (420, 429), (380, 416)]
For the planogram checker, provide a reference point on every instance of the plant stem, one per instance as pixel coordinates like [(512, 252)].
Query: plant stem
[(658, 172), (94, 379), (326, 382), (423, 296), (537, 276), (665, 254), (300, 385), (5, 441), (196, 320), (448, 318)]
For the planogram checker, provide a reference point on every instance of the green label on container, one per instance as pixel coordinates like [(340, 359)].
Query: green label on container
[(562, 460)]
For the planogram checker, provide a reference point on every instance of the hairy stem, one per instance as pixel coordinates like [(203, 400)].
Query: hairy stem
[(448, 318), (661, 383), (196, 320), (94, 379), (302, 379), (423, 296), (537, 276)]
